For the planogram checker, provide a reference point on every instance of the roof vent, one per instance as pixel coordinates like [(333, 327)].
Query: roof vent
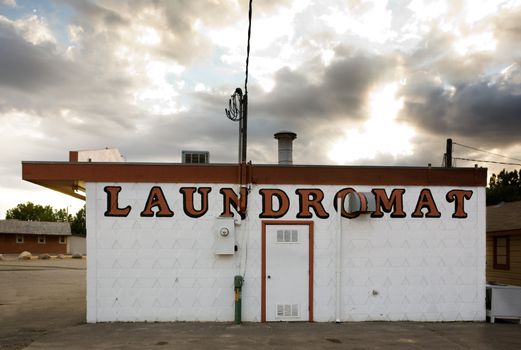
[(285, 139), (195, 157)]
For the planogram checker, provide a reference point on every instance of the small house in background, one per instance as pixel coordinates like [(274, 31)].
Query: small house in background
[(504, 243), (36, 237)]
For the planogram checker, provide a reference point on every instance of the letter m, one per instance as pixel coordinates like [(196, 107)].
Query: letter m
[(392, 204)]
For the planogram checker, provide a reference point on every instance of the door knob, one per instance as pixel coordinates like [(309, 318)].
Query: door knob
[(269, 276)]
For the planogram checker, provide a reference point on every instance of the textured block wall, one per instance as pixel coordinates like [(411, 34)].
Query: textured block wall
[(164, 269)]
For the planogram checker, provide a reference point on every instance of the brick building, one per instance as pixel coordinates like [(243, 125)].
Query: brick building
[(36, 237)]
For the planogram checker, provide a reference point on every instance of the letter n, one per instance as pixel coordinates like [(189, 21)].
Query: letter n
[(230, 199)]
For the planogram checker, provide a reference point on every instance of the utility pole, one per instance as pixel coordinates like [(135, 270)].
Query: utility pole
[(238, 111), (448, 154), (243, 125)]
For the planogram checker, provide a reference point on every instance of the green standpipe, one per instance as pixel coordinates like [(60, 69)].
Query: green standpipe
[(237, 283)]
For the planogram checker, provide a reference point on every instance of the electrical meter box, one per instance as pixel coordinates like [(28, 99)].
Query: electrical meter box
[(224, 233)]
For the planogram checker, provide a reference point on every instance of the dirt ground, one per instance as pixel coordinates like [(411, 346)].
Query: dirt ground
[(42, 306)]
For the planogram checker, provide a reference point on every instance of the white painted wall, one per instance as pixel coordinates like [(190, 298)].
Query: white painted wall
[(77, 244), (164, 269)]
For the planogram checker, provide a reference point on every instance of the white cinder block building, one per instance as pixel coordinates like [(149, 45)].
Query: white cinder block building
[(165, 241)]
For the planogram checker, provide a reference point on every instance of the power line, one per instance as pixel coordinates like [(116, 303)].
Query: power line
[(485, 161), (238, 104), (248, 50), (481, 150)]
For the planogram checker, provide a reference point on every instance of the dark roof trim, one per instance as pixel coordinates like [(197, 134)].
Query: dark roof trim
[(62, 176)]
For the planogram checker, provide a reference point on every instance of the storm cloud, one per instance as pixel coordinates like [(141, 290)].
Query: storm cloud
[(153, 78), (486, 109), (29, 67), (339, 91)]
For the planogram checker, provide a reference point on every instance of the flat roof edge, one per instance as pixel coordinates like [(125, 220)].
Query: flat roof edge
[(63, 176), (254, 165)]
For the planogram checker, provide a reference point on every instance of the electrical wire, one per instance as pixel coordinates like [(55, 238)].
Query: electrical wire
[(248, 50), (481, 150), (485, 161)]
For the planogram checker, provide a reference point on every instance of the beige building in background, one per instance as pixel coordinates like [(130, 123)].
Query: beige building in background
[(504, 243)]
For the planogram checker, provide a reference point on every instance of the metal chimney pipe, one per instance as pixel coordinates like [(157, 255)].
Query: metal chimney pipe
[(285, 139)]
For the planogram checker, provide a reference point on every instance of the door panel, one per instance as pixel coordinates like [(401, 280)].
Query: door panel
[(287, 272)]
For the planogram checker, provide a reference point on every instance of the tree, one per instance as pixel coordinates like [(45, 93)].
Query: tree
[(78, 224), (36, 212), (504, 187)]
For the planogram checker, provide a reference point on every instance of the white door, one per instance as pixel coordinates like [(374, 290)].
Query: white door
[(287, 273)]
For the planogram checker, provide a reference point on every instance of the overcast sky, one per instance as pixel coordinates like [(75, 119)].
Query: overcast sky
[(360, 82)]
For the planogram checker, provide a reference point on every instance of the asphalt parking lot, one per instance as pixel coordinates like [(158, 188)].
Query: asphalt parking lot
[(42, 306), (38, 297)]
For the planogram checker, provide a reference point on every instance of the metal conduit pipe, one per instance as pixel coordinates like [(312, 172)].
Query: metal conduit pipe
[(338, 291)]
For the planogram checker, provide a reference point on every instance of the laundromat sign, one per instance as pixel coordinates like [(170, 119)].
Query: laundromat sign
[(276, 203)]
